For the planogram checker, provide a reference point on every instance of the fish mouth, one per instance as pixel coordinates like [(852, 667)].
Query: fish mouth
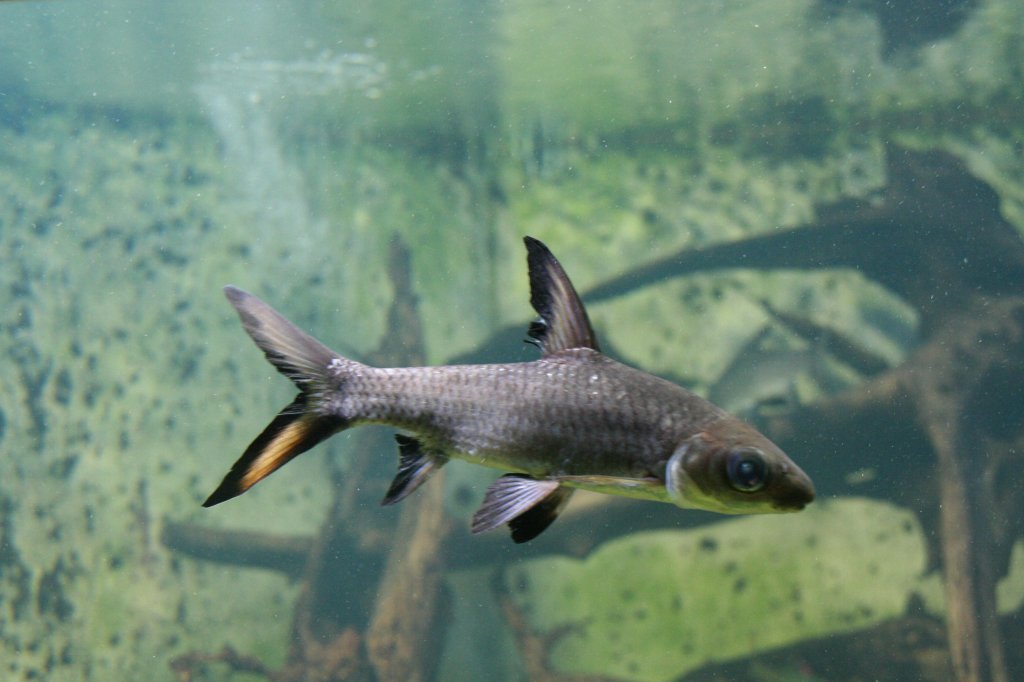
[(797, 493), (794, 499), (796, 490)]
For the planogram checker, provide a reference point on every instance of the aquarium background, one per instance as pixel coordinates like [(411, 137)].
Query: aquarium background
[(370, 168)]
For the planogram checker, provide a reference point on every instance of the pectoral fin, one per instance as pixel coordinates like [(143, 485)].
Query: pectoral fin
[(526, 504), (415, 466)]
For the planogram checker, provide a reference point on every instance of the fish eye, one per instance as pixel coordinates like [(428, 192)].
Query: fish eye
[(747, 470)]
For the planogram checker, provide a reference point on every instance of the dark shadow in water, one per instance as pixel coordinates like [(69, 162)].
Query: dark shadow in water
[(942, 431), (907, 24)]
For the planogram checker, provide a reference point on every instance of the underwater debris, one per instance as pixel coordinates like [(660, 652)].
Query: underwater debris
[(968, 341), (536, 648), (352, 624), (650, 606), (965, 286), (965, 289)]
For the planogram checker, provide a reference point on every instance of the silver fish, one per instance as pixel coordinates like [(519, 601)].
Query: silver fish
[(757, 377), (572, 419)]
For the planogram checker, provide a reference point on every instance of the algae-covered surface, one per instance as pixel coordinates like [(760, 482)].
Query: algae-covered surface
[(107, 242), (654, 605), (116, 240), (150, 156)]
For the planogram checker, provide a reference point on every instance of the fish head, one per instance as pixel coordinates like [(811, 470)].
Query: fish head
[(731, 468)]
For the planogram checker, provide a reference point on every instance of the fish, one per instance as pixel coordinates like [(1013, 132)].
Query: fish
[(572, 419), (758, 378)]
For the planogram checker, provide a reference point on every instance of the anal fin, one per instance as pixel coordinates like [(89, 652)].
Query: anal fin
[(526, 504), (415, 466)]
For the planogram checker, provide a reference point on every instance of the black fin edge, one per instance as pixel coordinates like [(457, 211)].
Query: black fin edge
[(311, 430), (528, 505), (536, 519), (563, 319), (415, 466)]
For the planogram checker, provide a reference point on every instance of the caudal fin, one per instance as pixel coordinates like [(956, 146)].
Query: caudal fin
[(303, 423)]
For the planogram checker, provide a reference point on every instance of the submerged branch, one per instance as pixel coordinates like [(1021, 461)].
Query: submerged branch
[(919, 427), (284, 553), (402, 643)]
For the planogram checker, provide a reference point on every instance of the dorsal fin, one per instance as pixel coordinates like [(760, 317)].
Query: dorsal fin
[(563, 319)]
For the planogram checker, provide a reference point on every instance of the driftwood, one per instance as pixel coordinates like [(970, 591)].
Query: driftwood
[(353, 619), (402, 637), (950, 254), (934, 236), (942, 431), (941, 399), (909, 648), (284, 553), (536, 648)]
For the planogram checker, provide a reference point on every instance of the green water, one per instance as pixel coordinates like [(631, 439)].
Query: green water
[(151, 153)]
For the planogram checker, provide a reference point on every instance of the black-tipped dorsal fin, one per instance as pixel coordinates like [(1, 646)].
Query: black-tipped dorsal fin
[(563, 319)]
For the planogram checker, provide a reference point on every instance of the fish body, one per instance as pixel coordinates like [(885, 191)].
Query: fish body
[(572, 419)]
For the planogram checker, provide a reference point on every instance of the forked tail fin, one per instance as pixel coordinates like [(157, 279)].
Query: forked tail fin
[(303, 423)]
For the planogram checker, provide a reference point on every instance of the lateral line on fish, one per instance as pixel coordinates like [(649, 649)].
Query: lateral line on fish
[(572, 419)]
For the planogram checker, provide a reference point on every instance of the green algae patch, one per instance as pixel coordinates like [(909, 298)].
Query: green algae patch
[(133, 387), (653, 605), (659, 65)]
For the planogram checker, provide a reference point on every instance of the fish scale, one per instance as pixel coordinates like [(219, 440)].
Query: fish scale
[(572, 419)]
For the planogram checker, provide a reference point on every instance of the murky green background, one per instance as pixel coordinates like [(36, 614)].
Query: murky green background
[(152, 152)]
